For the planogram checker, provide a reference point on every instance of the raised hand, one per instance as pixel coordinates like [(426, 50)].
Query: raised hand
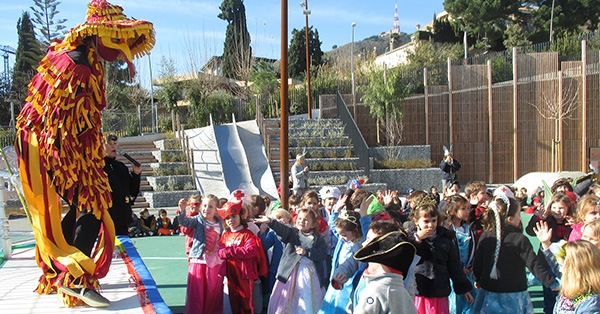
[(262, 219), (364, 206), (340, 203), (543, 233), (182, 204), (388, 197)]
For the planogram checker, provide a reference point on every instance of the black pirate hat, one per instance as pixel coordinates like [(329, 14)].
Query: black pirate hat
[(392, 249)]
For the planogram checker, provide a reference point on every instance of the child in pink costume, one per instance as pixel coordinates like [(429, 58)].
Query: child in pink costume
[(205, 282)]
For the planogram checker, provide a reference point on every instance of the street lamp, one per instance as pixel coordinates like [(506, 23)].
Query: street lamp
[(352, 70), (306, 12)]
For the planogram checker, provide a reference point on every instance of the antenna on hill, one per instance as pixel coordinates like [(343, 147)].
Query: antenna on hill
[(396, 20)]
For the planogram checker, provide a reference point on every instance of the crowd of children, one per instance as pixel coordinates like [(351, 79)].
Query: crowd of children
[(358, 252)]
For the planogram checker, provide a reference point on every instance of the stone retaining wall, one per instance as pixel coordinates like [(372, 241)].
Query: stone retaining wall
[(402, 179), (168, 165), (167, 198), (401, 152), (178, 180)]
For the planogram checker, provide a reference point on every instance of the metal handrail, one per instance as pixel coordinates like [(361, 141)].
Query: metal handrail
[(361, 149)]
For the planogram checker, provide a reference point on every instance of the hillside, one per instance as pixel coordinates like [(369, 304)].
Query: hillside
[(382, 43)]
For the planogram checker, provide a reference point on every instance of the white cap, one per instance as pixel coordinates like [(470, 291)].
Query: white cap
[(329, 192), (504, 190)]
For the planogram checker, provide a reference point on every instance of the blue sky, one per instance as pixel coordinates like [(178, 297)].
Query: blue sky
[(187, 28)]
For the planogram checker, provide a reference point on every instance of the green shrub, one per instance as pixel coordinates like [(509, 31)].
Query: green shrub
[(414, 163), (173, 157), (164, 171)]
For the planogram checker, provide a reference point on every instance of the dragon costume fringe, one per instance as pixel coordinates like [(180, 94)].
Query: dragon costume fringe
[(60, 146)]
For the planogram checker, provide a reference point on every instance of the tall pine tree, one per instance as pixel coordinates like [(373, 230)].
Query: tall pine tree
[(27, 58), (297, 51), (44, 14), (237, 53)]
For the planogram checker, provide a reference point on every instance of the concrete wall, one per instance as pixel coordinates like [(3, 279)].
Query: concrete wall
[(402, 179)]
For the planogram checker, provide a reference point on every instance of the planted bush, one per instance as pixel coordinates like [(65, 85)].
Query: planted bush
[(401, 164)]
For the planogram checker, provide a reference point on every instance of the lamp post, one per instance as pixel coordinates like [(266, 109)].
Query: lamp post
[(154, 111), (306, 12), (352, 71)]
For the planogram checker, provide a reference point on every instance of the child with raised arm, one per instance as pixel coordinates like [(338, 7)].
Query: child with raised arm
[(500, 260), (301, 275), (558, 214), (589, 232), (191, 208), (349, 232), (205, 282), (244, 257), (440, 260)]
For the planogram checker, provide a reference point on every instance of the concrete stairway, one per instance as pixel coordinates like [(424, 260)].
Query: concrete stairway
[(142, 152), (329, 151)]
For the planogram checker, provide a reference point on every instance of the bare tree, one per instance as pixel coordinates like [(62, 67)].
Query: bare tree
[(559, 106)]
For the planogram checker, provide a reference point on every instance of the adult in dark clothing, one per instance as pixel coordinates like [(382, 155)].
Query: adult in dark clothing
[(125, 186), (449, 167)]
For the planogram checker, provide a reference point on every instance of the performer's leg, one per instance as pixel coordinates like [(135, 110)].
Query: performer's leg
[(86, 232), (68, 224)]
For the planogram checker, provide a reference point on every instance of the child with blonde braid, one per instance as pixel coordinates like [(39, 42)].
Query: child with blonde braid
[(499, 264), (440, 261), (457, 210)]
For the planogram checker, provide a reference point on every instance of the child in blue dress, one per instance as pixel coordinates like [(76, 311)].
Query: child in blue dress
[(457, 210), (346, 227)]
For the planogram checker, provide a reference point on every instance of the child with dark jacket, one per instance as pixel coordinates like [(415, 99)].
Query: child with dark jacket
[(440, 260), (165, 226), (147, 223), (500, 260)]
